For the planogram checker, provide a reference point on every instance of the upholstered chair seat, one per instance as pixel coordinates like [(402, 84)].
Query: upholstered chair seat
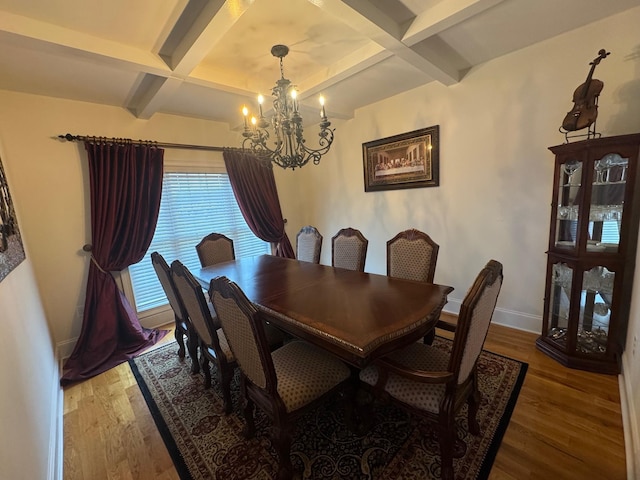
[(304, 373), (284, 383), (214, 346), (417, 356), (436, 384), (224, 347)]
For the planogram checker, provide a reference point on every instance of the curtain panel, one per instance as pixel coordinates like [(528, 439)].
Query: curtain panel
[(125, 188), (254, 187)]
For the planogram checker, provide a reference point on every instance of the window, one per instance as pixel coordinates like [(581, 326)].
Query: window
[(193, 205)]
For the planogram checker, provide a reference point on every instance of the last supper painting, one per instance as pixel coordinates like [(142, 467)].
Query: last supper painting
[(11, 249)]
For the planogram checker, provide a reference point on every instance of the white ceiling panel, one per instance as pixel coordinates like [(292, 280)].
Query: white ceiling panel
[(207, 58), (29, 71)]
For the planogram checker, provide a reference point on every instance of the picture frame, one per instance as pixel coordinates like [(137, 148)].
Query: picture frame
[(408, 160), (11, 248)]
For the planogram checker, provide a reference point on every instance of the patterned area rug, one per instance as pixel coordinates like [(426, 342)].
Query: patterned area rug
[(206, 444)]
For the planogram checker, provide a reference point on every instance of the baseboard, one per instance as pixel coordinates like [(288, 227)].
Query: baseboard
[(630, 421), (65, 349), (501, 316), (56, 441)]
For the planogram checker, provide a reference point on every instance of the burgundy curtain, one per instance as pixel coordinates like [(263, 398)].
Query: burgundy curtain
[(254, 187), (125, 186)]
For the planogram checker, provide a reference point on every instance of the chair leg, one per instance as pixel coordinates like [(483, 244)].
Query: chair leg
[(428, 338), (192, 346), (474, 405), (250, 427), (225, 375), (179, 334), (282, 438), (206, 370), (447, 436)]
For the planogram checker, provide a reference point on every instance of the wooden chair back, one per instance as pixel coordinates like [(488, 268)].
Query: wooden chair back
[(195, 304), (308, 244), (412, 255), (474, 320), (215, 248), (163, 271), (349, 249), (245, 333)]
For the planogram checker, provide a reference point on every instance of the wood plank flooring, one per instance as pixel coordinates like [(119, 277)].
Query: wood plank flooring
[(567, 424)]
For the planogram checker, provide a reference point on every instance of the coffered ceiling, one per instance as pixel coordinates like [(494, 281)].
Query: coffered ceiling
[(207, 58)]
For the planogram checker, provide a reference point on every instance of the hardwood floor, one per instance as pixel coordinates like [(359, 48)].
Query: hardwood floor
[(567, 424)]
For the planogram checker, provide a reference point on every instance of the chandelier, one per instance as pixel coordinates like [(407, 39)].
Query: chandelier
[(289, 148)]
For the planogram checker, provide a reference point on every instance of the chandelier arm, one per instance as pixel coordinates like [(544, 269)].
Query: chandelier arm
[(290, 149)]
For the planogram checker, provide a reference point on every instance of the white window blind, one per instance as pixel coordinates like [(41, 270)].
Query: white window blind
[(193, 205)]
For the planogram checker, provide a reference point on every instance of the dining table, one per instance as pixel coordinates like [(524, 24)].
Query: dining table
[(356, 316)]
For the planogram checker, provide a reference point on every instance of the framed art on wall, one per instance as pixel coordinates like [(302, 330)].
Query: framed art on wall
[(408, 160), (11, 249)]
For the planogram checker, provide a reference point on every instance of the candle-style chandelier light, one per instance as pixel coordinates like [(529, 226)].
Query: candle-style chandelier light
[(289, 147)]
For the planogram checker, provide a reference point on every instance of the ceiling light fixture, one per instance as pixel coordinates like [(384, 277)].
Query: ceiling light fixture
[(289, 147)]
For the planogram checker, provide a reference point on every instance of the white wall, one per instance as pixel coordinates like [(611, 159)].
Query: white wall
[(496, 171), (493, 202), (30, 399), (50, 183), (631, 377)]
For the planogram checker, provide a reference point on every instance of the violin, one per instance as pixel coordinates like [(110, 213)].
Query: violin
[(585, 106)]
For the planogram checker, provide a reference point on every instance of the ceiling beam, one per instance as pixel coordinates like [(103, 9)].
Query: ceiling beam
[(371, 22), (36, 35), (201, 25), (151, 95), (348, 66), (444, 15)]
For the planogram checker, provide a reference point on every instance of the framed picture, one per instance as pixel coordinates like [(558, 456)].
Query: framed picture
[(11, 249), (409, 160)]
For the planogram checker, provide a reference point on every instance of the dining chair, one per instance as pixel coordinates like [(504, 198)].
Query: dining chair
[(212, 342), (435, 384), (183, 324), (215, 248), (412, 255), (284, 383), (349, 249), (308, 244)]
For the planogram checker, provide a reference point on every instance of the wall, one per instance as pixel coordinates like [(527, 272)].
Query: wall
[(496, 171), (631, 378), (493, 202), (50, 183), (31, 400)]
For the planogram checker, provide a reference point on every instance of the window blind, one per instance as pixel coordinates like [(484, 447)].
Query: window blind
[(193, 205)]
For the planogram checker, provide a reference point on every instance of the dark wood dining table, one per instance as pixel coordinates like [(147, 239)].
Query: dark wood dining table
[(357, 316)]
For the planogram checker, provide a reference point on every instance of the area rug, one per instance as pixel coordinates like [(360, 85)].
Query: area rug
[(205, 444)]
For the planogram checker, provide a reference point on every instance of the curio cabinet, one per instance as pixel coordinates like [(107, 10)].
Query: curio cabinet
[(592, 249)]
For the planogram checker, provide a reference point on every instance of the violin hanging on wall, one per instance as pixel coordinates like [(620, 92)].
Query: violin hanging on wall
[(585, 100)]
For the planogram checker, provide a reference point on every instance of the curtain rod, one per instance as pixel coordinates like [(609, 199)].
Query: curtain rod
[(184, 146)]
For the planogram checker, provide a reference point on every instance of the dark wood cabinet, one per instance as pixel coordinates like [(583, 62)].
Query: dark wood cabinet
[(592, 250)]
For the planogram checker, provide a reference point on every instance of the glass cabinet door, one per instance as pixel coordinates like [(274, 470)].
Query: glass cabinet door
[(569, 192), (560, 303), (596, 299), (607, 201)]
